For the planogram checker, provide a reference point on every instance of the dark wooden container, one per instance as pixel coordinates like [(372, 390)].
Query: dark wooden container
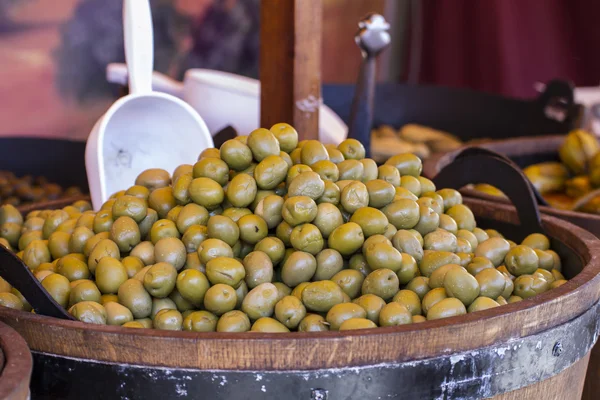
[(537, 348), (15, 365), (61, 161), (527, 151)]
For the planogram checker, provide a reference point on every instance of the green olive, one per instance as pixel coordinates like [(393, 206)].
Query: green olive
[(461, 285), (410, 300), (58, 287), (11, 301), (449, 307), (402, 213), (200, 321), (148, 222), (145, 252), (116, 314), (440, 240), (206, 192), (354, 196), (299, 210), (263, 143), (494, 249), (162, 201), (448, 223), (433, 259), (394, 314), (357, 323), (286, 136), (213, 168), (436, 279), (163, 228), (260, 301), (527, 286), (419, 285), (381, 282), (130, 206), (233, 321), (290, 311), (521, 260), (153, 178), (125, 233), (104, 248), (482, 303), (537, 241), (190, 215), (171, 320), (89, 312), (252, 229), (272, 247), (72, 268), (321, 296), (407, 164), (160, 279), (267, 324), (405, 242), (346, 238), (225, 270)]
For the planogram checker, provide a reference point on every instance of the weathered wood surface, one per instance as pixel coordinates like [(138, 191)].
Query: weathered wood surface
[(290, 64), (15, 365)]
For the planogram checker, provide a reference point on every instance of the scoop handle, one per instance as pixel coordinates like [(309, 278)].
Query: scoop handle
[(139, 45), (494, 170), (18, 275)]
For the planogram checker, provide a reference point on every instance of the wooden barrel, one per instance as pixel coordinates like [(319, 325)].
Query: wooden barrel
[(528, 151), (536, 348), (15, 365)]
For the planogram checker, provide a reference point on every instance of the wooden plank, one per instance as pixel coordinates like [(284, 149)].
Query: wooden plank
[(290, 64)]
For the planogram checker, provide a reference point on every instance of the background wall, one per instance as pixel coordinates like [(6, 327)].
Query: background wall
[(53, 53)]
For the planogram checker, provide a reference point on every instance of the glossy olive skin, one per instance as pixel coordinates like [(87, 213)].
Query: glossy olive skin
[(346, 239), (494, 249), (382, 282), (133, 296), (321, 296), (342, 312), (521, 260), (394, 314), (89, 312), (260, 301), (410, 300), (449, 307), (299, 267), (313, 323), (290, 311), (357, 323), (461, 285)]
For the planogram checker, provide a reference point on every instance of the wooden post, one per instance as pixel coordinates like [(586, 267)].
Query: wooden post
[(290, 64)]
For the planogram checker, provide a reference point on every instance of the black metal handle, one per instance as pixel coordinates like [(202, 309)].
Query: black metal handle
[(474, 150), (15, 272), (481, 167)]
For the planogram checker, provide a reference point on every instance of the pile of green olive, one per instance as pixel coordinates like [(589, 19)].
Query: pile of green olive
[(268, 234), (27, 189)]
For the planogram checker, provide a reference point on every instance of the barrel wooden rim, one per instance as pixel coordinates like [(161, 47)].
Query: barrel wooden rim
[(511, 148), (52, 204), (304, 351), (17, 364)]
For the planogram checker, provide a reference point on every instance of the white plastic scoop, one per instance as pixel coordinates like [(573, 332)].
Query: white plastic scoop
[(144, 129)]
